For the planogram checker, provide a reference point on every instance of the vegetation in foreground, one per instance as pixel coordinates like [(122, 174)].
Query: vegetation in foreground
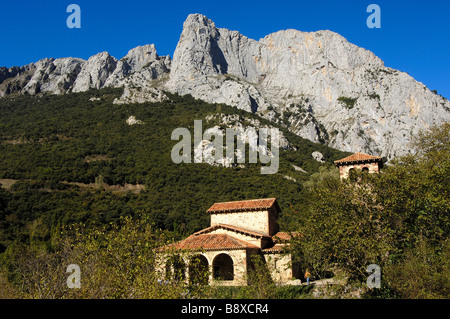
[(398, 220)]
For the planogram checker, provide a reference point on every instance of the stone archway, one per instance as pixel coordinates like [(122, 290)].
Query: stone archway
[(223, 267), (198, 270)]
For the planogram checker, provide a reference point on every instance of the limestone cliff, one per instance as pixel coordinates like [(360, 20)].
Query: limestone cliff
[(317, 84)]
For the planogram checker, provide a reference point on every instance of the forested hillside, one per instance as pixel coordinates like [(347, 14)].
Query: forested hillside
[(73, 158), (80, 184)]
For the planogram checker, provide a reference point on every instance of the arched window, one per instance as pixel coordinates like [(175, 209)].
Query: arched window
[(223, 268), (352, 174), (198, 270), (365, 170)]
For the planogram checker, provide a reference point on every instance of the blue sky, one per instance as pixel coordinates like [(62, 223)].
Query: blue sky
[(414, 35)]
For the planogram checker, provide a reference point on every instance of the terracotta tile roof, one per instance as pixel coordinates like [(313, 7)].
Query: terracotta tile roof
[(201, 240), (280, 241), (253, 204), (212, 242), (358, 157), (232, 228), (283, 236), (277, 248)]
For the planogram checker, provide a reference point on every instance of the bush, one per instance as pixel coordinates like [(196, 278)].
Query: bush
[(116, 261), (348, 102)]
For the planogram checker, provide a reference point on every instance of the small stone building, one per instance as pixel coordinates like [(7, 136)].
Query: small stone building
[(364, 162), (239, 231)]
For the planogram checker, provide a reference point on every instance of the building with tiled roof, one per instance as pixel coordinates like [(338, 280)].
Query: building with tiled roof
[(361, 161), (239, 231)]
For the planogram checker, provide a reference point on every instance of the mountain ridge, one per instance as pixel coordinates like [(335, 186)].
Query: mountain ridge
[(317, 84)]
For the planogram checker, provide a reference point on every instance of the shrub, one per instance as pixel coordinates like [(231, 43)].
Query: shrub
[(348, 102)]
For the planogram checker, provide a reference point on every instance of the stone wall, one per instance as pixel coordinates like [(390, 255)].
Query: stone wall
[(344, 170), (279, 266), (257, 221), (240, 259)]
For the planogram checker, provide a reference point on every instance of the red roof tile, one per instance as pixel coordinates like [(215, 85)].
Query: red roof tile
[(358, 157), (253, 204), (280, 242), (283, 236), (277, 248), (212, 242), (203, 241)]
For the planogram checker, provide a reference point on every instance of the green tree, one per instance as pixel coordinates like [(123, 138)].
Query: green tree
[(415, 189), (398, 219), (345, 229), (117, 260)]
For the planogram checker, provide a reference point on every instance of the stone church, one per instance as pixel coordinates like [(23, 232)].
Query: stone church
[(239, 231), (360, 161)]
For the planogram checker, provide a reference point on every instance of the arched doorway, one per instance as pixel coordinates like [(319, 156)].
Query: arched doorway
[(365, 170), (223, 268), (198, 270)]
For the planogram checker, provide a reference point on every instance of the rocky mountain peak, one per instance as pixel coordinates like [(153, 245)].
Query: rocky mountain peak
[(198, 42), (141, 56), (195, 20), (316, 84), (95, 72)]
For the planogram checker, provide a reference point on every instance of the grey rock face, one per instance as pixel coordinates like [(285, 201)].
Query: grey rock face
[(142, 61), (318, 156), (136, 72), (95, 72), (13, 80), (58, 76), (6, 73), (209, 65), (317, 84), (54, 76)]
